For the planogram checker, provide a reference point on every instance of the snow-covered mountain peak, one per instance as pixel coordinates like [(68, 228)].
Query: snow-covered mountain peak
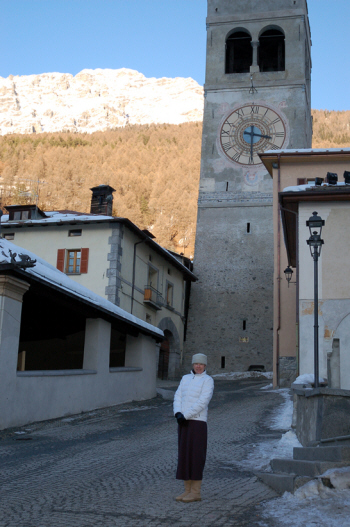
[(95, 100)]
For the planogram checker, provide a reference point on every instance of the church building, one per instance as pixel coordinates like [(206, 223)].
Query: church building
[(257, 99)]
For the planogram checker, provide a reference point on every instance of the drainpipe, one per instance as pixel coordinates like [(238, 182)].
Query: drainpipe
[(278, 273), (133, 275)]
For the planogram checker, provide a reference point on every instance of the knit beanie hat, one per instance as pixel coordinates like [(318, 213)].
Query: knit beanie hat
[(199, 358)]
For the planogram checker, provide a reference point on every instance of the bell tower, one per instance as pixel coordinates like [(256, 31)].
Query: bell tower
[(257, 98)]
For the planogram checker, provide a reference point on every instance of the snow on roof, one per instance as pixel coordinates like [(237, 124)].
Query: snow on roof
[(68, 216), (57, 216), (51, 275), (299, 188), (308, 151)]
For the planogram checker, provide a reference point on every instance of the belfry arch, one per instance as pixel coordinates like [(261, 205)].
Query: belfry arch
[(239, 51), (271, 50)]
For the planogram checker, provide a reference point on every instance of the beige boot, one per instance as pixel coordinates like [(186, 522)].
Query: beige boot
[(187, 490), (195, 494)]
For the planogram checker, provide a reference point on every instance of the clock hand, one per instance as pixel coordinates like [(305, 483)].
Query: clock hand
[(257, 135)]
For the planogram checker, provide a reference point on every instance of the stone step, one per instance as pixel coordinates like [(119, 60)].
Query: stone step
[(282, 482), (302, 467), (322, 453)]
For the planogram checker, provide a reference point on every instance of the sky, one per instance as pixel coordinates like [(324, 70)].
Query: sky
[(159, 38)]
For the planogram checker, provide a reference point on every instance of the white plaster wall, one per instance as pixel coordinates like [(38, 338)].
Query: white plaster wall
[(334, 289), (306, 292), (27, 397), (45, 241), (343, 333)]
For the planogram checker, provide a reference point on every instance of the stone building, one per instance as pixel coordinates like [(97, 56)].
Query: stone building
[(257, 98)]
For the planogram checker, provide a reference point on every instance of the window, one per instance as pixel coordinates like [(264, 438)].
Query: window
[(223, 362), (117, 349), (169, 294), (248, 228), (21, 215), (152, 277), (239, 52), (74, 232), (244, 325), (73, 261), (9, 236), (271, 51)]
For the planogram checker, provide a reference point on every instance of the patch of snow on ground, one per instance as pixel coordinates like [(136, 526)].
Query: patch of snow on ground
[(268, 387), (282, 416), (259, 459), (137, 409)]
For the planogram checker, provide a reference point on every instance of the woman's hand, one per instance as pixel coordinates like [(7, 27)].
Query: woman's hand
[(180, 418)]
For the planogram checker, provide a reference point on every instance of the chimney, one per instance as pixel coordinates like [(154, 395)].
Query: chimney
[(102, 200)]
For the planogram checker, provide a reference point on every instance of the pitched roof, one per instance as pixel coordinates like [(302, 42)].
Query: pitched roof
[(71, 217), (52, 277)]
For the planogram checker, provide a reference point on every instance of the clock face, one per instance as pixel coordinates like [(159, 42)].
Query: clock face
[(249, 130)]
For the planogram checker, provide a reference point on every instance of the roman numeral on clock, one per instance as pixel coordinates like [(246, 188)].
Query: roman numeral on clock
[(226, 146), (273, 147), (254, 109), (225, 133), (236, 156)]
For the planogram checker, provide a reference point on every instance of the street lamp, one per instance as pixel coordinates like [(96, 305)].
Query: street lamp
[(288, 273), (315, 224)]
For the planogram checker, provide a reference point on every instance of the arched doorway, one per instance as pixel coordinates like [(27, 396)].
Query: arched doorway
[(169, 352), (163, 363)]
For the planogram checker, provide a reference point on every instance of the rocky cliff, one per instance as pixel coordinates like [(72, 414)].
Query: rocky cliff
[(95, 100)]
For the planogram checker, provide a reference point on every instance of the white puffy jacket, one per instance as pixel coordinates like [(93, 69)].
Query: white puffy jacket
[(193, 396)]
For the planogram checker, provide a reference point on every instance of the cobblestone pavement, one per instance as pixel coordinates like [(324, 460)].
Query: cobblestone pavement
[(116, 466)]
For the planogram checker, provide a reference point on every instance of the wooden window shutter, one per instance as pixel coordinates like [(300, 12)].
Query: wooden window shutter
[(84, 260), (302, 181), (60, 259)]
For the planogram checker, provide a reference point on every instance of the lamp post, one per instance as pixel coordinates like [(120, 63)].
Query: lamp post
[(315, 224)]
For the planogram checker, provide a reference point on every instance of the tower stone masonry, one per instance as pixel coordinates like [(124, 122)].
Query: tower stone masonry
[(257, 98)]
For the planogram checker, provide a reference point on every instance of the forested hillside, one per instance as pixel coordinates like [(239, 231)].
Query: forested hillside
[(154, 169)]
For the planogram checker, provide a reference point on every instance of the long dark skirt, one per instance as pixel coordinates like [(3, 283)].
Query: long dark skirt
[(192, 441)]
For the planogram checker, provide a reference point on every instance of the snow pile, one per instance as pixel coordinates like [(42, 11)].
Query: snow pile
[(237, 375), (321, 507), (314, 504), (307, 378), (339, 477)]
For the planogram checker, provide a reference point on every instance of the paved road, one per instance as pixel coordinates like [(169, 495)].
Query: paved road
[(116, 466)]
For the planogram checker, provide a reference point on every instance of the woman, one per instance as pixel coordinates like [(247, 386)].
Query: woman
[(191, 410)]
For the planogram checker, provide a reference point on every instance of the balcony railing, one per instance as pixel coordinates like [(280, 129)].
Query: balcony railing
[(153, 297)]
